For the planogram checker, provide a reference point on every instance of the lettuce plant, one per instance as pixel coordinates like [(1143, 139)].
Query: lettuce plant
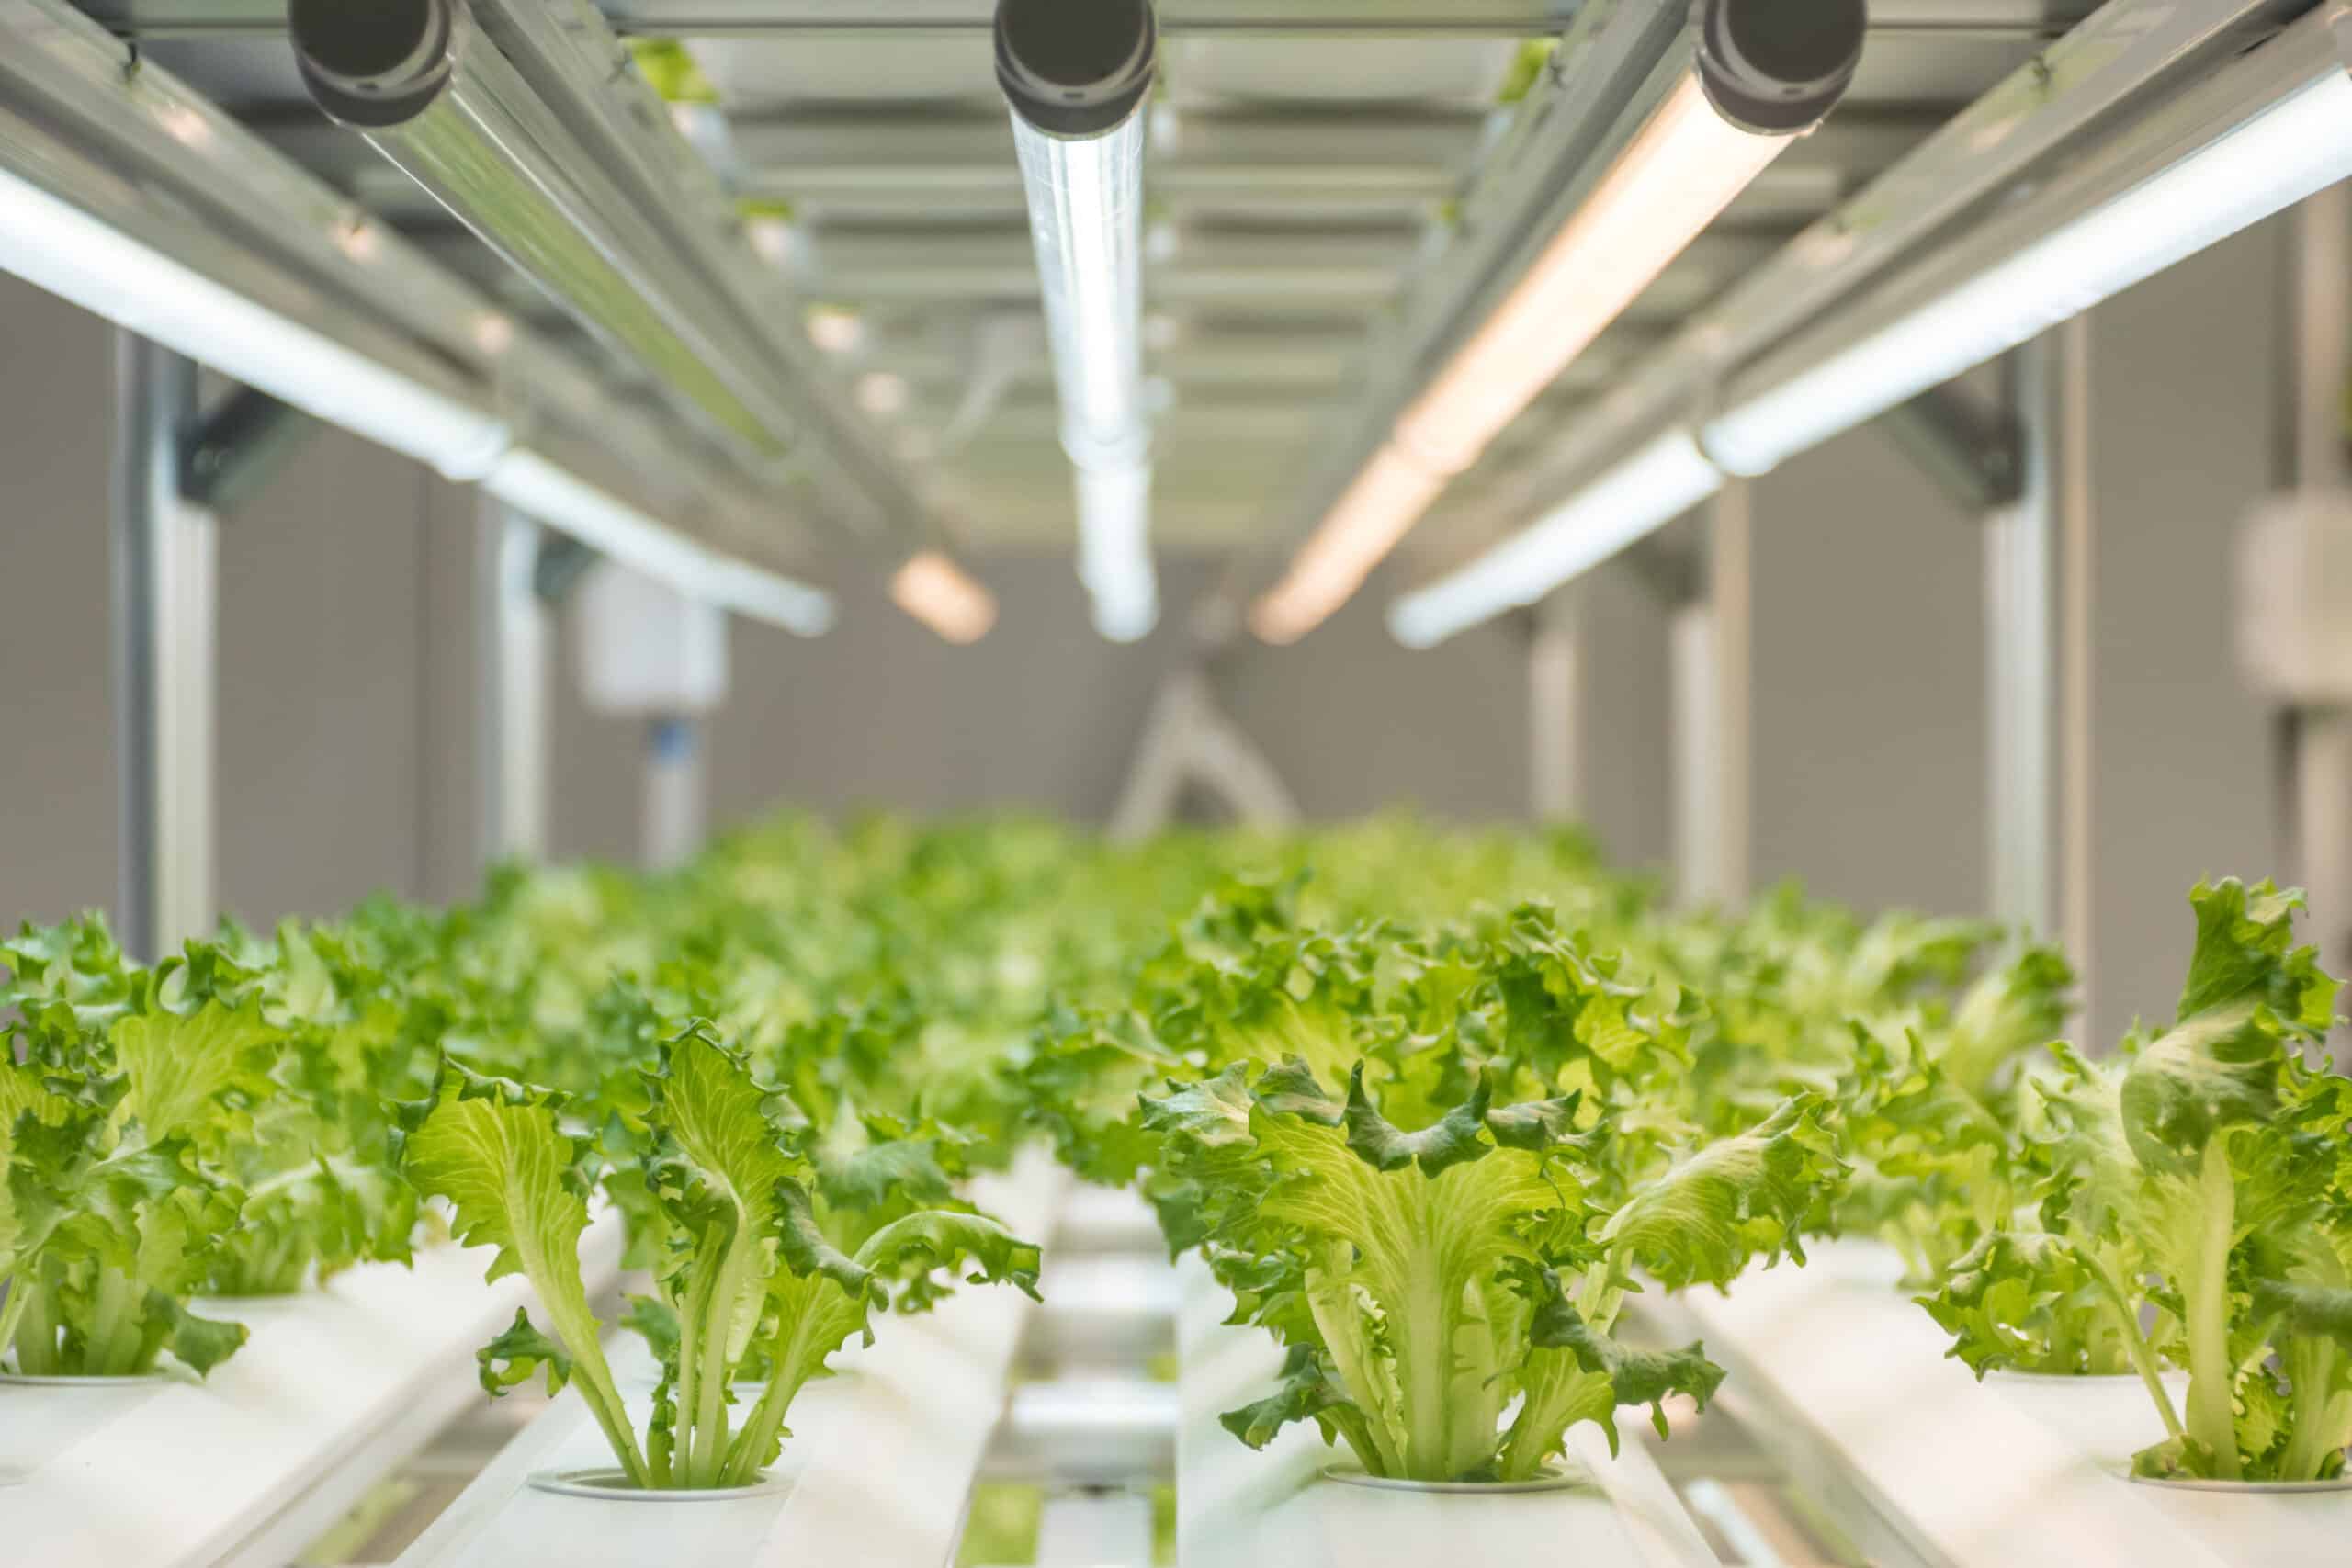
[(772, 1240), (1450, 1294), (119, 1110), (2192, 1211)]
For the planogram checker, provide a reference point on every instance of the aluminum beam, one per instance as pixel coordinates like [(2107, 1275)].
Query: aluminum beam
[(166, 564), (514, 650), (753, 19)]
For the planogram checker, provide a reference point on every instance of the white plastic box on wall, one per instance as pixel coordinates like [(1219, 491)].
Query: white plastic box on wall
[(2295, 609), (647, 650)]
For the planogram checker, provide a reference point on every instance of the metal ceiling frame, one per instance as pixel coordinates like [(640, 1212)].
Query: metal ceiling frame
[(1922, 222), (86, 122), (757, 18)]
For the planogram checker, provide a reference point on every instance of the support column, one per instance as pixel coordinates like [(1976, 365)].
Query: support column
[(1553, 715), (676, 793), (166, 556), (2039, 631), (517, 638), (1710, 649), (2021, 606)]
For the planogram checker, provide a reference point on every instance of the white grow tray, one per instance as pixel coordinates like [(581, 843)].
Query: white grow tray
[(1993, 1474), (877, 1472), (1270, 1508), (335, 1388)]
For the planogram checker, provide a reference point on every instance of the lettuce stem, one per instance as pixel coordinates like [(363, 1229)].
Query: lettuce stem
[(2206, 1297)]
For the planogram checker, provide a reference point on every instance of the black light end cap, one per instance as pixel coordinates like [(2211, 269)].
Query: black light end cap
[(1779, 66), (1076, 68), (373, 64)]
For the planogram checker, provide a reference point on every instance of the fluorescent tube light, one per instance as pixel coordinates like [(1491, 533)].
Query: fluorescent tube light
[(934, 590), (1115, 551), (1387, 497), (1683, 168), (2299, 145), (546, 493), (1075, 74), (1647, 491), (59, 247), (1686, 165)]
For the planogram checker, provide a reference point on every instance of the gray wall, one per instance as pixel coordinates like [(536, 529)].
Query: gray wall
[(347, 639)]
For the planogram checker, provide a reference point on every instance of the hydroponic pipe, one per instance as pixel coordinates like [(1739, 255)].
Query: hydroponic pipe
[(1077, 73)]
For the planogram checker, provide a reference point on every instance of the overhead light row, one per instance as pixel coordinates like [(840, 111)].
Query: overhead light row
[(2249, 139), (1076, 75), (1761, 75)]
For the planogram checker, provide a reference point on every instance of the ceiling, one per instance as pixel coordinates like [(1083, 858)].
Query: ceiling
[(1306, 156)]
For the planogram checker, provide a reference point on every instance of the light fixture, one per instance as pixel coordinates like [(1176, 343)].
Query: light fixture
[(57, 245), (2297, 146), (935, 590), (545, 492), (1764, 73), (1077, 73), (2269, 129), (1115, 551), (1647, 490)]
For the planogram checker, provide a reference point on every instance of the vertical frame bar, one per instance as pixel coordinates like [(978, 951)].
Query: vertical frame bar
[(2019, 608), (1552, 660), (165, 567), (1697, 785), (1731, 596), (516, 638), (2077, 642), (1709, 650), (676, 792)]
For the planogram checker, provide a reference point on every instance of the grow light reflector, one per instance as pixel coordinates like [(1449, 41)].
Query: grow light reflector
[(1647, 491), (2298, 146)]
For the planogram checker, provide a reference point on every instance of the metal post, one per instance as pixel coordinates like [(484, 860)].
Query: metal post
[(165, 554), (2019, 603), (2077, 642), (1731, 595), (675, 792), (1709, 651), (1697, 782), (516, 638), (2038, 644), (1552, 712)]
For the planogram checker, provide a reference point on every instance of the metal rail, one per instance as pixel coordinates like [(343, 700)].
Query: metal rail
[(1480, 18), (144, 202), (521, 120)]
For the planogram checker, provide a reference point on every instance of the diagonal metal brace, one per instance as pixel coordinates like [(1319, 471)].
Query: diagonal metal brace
[(235, 448), (1972, 449)]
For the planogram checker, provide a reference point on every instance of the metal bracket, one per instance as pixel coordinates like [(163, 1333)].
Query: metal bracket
[(563, 561), (1975, 451), (235, 449)]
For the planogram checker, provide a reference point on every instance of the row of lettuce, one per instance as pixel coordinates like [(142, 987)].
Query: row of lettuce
[(1435, 1105)]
